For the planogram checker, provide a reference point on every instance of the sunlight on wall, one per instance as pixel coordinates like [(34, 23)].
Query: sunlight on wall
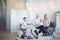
[(39, 7), (35, 7), (17, 4), (43, 7), (51, 5), (28, 6)]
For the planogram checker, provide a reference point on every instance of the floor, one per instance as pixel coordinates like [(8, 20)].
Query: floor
[(5, 35)]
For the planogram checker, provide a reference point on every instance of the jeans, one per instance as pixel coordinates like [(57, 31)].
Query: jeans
[(50, 30), (41, 29), (24, 32), (36, 32)]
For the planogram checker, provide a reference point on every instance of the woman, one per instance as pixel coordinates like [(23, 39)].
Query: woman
[(46, 23)]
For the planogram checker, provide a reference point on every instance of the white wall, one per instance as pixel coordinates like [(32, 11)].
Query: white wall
[(42, 7), (13, 4), (16, 19)]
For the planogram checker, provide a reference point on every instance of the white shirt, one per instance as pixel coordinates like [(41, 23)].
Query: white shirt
[(36, 22), (46, 22), (24, 25)]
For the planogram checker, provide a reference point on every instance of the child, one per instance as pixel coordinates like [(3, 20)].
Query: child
[(24, 26)]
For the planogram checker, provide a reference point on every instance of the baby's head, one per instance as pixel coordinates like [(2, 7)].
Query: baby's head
[(25, 19)]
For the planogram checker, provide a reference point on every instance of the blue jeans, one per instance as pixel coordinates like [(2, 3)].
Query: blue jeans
[(24, 32), (50, 31)]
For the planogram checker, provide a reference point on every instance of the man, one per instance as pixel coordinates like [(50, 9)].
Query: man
[(39, 25), (36, 23)]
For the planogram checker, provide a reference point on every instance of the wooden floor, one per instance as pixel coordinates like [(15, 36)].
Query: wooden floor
[(5, 35)]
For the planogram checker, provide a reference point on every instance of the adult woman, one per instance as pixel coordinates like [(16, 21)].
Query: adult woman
[(46, 23)]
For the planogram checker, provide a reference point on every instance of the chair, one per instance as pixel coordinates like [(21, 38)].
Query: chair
[(19, 31)]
